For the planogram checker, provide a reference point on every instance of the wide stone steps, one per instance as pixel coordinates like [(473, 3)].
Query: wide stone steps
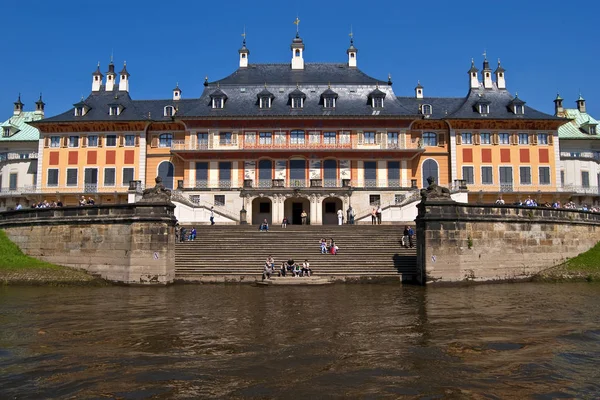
[(234, 253)]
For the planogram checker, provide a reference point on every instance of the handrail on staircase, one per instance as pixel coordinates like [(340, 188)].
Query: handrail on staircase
[(176, 195)]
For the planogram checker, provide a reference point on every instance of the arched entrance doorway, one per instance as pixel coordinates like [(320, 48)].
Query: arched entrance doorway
[(330, 173), (331, 205), (261, 209), (166, 171), (265, 173), (293, 207), (430, 168)]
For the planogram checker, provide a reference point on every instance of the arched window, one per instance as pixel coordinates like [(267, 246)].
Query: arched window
[(426, 109), (170, 110), (165, 140), (430, 139), (297, 53), (430, 168), (166, 171)]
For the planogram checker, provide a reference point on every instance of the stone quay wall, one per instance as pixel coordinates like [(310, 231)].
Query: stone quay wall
[(467, 242), (128, 243)]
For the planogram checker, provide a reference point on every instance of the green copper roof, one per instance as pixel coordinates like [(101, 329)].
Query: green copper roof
[(19, 124), (573, 129)]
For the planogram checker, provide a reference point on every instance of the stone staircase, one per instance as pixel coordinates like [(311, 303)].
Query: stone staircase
[(233, 253)]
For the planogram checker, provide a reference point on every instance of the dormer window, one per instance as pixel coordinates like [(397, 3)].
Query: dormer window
[(297, 98), (519, 110), (592, 130), (426, 109), (79, 111), (376, 97), (218, 98), (589, 128), (169, 111), (114, 110), (297, 102), (484, 108), (329, 102), (329, 98), (6, 132), (265, 102), (217, 102), (517, 105)]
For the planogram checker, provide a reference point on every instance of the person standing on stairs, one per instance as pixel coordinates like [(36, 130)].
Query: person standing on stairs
[(374, 216), (212, 215), (378, 214), (304, 216), (340, 215)]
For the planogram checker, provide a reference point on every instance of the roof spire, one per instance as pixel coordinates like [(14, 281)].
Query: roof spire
[(389, 79), (244, 36), (297, 23), (206, 80)]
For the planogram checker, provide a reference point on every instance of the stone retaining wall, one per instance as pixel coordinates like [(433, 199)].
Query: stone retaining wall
[(129, 243), (467, 242)]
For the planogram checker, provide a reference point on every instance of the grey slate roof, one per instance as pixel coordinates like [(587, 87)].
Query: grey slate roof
[(244, 87), (282, 74)]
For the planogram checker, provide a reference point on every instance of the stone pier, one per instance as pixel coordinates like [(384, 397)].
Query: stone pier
[(128, 243), (468, 242)]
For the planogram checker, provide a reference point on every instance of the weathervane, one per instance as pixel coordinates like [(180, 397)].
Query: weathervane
[(244, 34), (484, 54), (297, 23)]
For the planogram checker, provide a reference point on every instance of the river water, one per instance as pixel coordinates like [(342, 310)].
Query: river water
[(539, 341)]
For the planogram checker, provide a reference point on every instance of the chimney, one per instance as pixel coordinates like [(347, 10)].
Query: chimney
[(39, 107), (559, 111), (18, 106), (581, 104)]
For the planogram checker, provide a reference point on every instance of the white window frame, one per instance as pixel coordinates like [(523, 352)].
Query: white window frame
[(472, 173), (465, 135), (218, 102), (426, 109), (373, 137), (76, 176), (88, 141), (265, 102), (329, 137), (165, 138), (225, 140), (377, 102), (592, 129), (126, 184), (488, 135), (525, 136), (114, 110), (79, 111), (104, 177), (6, 132), (110, 136), (540, 176), (484, 108), (297, 136), (530, 176), (329, 102), (125, 140), (542, 142), (169, 111), (297, 102), (77, 138), (393, 138), (428, 140), (57, 143), (500, 135), (519, 109), (57, 177), (491, 167), (265, 138)]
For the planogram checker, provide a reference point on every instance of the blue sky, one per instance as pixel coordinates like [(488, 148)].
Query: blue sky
[(54, 46)]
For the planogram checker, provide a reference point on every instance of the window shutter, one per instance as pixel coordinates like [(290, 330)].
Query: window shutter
[(514, 139), (46, 141), (533, 138), (234, 138), (476, 138), (441, 139), (550, 138), (154, 142), (84, 141), (121, 138), (65, 141), (137, 140), (361, 137), (378, 136), (99, 141), (495, 138), (458, 138)]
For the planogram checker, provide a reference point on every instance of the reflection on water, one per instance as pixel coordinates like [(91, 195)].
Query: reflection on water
[(537, 341)]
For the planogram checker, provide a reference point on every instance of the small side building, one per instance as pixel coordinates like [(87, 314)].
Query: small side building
[(18, 155), (579, 153)]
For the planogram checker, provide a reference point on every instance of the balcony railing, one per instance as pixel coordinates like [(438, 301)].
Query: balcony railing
[(581, 154), (87, 188), (185, 145), (18, 155)]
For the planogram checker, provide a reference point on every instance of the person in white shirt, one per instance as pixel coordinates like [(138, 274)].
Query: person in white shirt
[(306, 268), (340, 215), (19, 206), (500, 201)]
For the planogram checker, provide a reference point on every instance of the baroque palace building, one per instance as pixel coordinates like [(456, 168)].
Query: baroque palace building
[(277, 139)]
